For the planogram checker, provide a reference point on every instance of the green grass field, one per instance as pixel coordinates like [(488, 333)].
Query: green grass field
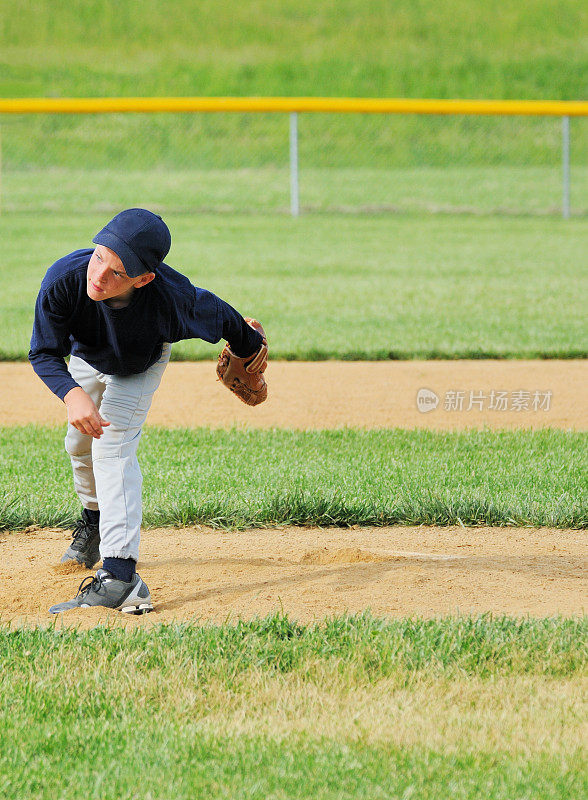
[(294, 47), (346, 477), (372, 287), (350, 707), (472, 191)]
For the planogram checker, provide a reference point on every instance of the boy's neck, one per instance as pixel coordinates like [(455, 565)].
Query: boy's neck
[(122, 301)]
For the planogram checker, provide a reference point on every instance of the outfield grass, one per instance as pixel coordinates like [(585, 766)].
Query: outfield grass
[(347, 287), (353, 706), (345, 477), (425, 189)]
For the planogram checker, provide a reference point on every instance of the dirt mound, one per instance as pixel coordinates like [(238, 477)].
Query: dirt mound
[(343, 555), (309, 573), (355, 555)]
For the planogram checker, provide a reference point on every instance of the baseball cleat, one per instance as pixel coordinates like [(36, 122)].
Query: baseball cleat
[(103, 589), (85, 548)]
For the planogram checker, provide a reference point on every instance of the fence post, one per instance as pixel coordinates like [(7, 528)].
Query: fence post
[(565, 129), (294, 195)]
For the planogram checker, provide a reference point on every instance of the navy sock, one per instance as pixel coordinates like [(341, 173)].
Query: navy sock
[(92, 516), (122, 569)]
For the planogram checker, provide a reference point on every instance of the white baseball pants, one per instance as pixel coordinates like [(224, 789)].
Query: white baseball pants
[(106, 471)]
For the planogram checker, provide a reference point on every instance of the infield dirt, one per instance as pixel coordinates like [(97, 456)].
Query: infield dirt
[(309, 573), (331, 394)]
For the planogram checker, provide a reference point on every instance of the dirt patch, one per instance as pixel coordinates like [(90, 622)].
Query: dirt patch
[(333, 394), (355, 555), (342, 555), (309, 573)]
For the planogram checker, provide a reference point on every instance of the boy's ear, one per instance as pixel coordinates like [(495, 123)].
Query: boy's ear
[(144, 279)]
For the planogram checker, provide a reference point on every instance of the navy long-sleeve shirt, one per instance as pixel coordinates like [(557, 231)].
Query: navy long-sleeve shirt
[(124, 341)]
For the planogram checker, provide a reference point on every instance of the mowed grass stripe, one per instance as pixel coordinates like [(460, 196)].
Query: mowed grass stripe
[(139, 756), (244, 478), (353, 706), (360, 648), (348, 287)]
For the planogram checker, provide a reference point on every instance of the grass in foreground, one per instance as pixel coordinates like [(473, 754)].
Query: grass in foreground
[(348, 287), (342, 477), (353, 706)]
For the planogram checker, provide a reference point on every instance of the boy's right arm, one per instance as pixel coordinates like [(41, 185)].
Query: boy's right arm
[(50, 344), (50, 340)]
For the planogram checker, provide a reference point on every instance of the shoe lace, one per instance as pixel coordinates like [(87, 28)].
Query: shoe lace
[(81, 533), (89, 582)]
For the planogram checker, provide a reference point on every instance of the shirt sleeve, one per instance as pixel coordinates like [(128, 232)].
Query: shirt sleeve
[(50, 341), (208, 317), (243, 339)]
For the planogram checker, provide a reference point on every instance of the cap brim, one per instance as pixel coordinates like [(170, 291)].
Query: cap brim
[(132, 264)]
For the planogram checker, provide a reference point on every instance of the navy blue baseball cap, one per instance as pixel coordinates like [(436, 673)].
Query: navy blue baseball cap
[(140, 239)]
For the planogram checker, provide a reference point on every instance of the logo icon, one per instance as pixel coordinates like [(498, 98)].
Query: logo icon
[(427, 400)]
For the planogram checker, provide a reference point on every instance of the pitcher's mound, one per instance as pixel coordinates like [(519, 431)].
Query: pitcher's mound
[(309, 573)]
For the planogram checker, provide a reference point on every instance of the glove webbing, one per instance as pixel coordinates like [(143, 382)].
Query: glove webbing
[(257, 362)]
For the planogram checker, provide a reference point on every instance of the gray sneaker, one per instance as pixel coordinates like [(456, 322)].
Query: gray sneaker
[(105, 590), (85, 548)]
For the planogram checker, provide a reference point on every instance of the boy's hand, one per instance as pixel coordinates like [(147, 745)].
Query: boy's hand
[(83, 414)]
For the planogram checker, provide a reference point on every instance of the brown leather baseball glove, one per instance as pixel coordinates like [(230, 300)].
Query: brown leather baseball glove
[(243, 376)]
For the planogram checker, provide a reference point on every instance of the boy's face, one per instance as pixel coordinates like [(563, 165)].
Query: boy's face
[(106, 276)]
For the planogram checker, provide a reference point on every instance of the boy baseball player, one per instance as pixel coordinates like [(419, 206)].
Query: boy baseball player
[(116, 310)]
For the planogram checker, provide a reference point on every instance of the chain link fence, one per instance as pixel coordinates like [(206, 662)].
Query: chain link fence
[(244, 163)]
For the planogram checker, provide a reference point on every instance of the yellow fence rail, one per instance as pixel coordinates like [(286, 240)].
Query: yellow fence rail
[(105, 105), (295, 105)]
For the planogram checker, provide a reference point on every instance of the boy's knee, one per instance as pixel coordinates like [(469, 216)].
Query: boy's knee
[(77, 444)]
